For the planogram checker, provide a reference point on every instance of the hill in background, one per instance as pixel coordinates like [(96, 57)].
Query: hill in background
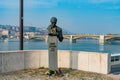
[(29, 29)]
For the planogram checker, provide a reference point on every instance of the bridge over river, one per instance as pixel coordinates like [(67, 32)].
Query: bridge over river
[(72, 38)]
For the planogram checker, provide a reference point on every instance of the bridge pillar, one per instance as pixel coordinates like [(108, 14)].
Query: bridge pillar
[(46, 39), (102, 39), (72, 40)]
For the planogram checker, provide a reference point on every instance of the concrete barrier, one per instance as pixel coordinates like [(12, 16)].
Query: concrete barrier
[(12, 61), (43, 60), (31, 59), (86, 61), (64, 58), (94, 62)]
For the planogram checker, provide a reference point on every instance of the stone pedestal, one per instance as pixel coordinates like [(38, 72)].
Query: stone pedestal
[(52, 47)]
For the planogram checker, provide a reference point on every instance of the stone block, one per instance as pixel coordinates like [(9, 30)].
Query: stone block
[(13, 61), (64, 58), (31, 59)]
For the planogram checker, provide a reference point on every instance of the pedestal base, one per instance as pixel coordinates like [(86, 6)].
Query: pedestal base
[(52, 45)]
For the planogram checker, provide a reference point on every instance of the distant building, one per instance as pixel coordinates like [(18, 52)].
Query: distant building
[(17, 29), (17, 34), (5, 32), (0, 32), (32, 29), (29, 33)]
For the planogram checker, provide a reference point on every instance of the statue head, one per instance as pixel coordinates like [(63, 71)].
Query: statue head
[(53, 21)]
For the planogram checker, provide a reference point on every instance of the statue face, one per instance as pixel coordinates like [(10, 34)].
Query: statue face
[(53, 23)]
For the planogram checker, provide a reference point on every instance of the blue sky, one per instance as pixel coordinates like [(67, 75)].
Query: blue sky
[(77, 16)]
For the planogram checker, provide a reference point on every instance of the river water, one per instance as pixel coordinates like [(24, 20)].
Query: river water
[(80, 45)]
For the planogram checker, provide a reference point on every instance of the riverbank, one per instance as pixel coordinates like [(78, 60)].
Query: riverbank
[(41, 74)]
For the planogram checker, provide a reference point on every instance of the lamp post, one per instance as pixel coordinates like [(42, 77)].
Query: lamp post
[(21, 24)]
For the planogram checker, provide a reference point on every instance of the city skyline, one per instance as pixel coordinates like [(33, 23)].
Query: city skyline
[(77, 16)]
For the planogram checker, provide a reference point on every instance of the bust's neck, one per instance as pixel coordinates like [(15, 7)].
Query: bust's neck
[(53, 26)]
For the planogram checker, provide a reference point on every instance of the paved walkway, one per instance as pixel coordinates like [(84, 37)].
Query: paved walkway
[(115, 75)]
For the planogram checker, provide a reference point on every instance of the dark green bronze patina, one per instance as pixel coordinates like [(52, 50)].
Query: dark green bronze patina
[(54, 30)]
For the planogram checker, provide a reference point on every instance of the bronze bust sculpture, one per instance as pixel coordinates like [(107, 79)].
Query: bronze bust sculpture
[(54, 30), (54, 34)]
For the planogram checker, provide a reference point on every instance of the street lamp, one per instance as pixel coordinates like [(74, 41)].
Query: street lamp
[(21, 24)]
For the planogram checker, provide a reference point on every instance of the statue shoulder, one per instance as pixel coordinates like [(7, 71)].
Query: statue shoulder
[(49, 27), (59, 29)]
